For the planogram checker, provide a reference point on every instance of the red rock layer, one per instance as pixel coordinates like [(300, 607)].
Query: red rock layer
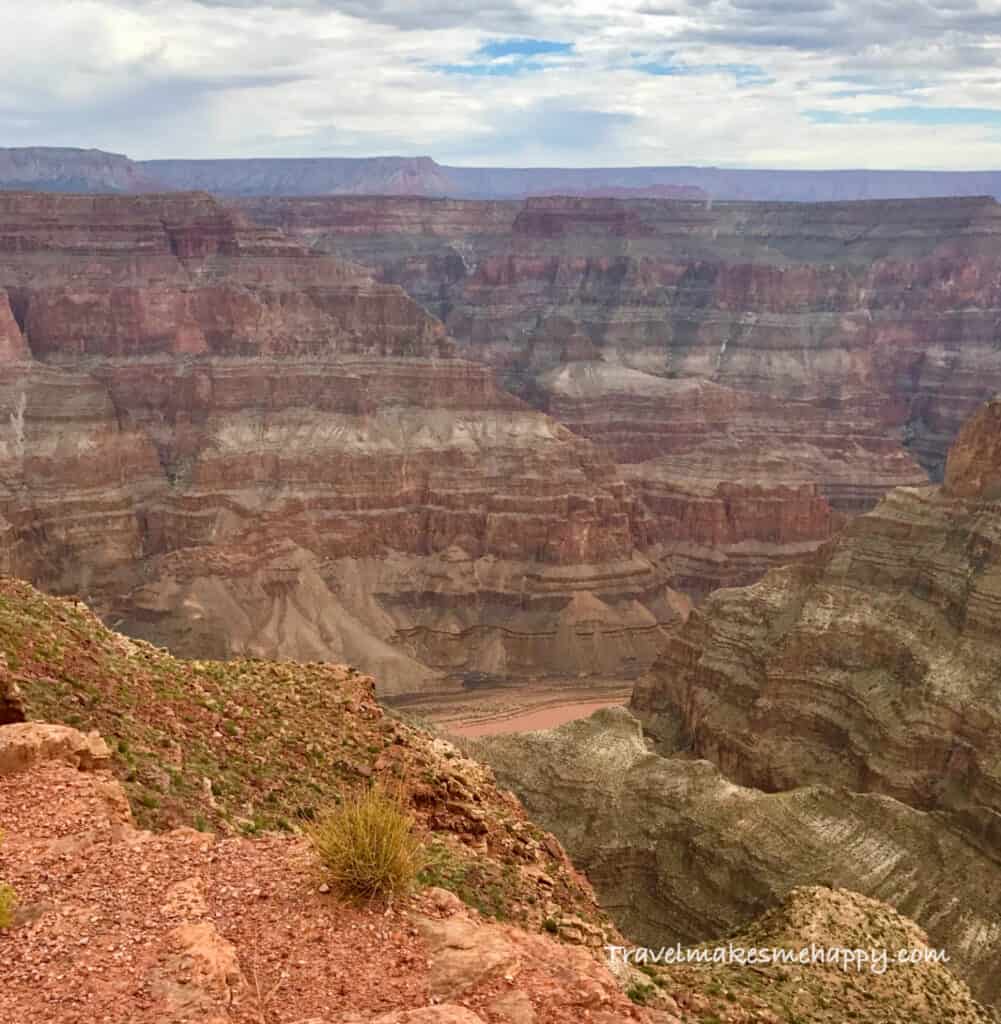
[(264, 449), (838, 346)]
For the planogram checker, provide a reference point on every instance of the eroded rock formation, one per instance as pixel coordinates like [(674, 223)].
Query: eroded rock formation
[(732, 358), (837, 722), (873, 666), (679, 853), (237, 446)]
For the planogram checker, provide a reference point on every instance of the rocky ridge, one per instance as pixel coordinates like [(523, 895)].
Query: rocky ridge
[(423, 176), (57, 169), (68, 170), (873, 666)]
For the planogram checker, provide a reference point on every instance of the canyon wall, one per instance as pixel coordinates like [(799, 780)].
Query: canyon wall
[(836, 723), (758, 371), (234, 445), (873, 666)]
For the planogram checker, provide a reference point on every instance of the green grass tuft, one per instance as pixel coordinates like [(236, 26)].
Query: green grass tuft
[(368, 845)]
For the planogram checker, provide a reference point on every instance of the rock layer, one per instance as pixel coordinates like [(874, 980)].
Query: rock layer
[(788, 352), (267, 452)]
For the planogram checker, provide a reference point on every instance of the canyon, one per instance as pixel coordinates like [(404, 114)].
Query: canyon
[(234, 445), (759, 372), (545, 443), (467, 443), (834, 723)]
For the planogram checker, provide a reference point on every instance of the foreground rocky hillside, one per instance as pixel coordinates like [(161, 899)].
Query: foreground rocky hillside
[(835, 723), (231, 922), (236, 446), (756, 370)]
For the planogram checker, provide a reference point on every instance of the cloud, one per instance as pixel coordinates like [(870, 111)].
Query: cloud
[(796, 83), (497, 15)]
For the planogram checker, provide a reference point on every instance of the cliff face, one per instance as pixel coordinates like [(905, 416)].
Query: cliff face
[(873, 666), (837, 722), (267, 452), (797, 354)]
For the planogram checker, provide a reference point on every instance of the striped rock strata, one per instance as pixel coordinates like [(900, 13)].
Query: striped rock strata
[(269, 453)]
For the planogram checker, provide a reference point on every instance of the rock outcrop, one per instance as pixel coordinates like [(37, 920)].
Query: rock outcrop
[(170, 927), (873, 666), (234, 445)]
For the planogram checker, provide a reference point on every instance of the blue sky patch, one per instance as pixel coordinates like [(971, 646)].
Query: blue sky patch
[(523, 48), (508, 57), (744, 74), (910, 115)]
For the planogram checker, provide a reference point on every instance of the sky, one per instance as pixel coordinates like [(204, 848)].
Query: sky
[(734, 83)]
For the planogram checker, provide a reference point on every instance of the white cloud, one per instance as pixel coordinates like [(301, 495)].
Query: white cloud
[(749, 81)]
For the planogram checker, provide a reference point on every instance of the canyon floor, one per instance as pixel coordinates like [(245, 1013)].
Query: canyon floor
[(516, 707)]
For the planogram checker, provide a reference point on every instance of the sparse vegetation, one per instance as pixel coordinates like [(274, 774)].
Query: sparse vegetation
[(248, 747), (368, 845), (8, 901), (640, 993)]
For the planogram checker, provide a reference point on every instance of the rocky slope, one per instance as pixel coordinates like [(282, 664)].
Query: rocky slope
[(238, 446), (837, 721), (757, 370), (183, 923), (246, 747)]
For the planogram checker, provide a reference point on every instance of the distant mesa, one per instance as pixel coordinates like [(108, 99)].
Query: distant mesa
[(92, 170)]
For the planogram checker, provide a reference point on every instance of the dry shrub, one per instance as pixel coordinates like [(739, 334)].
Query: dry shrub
[(368, 845)]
